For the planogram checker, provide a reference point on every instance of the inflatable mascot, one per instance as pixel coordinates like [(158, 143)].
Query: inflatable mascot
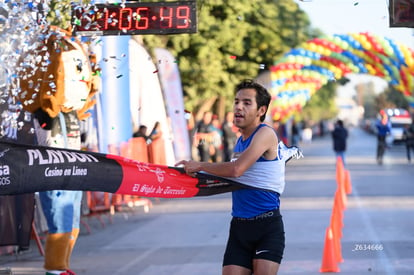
[(57, 83)]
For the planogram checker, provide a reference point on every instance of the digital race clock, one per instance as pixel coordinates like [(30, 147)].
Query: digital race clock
[(131, 18)]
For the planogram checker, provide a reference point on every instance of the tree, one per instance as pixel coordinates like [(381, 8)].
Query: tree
[(321, 105), (59, 13), (366, 97), (391, 98)]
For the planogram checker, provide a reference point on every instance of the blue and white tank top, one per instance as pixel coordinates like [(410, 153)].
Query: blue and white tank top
[(264, 174)]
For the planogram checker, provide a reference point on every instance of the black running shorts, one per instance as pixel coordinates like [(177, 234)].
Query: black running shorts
[(262, 237)]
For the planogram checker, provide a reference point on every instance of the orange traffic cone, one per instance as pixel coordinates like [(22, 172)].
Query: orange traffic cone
[(338, 200), (329, 262), (336, 226), (337, 219), (339, 171), (341, 197), (347, 181)]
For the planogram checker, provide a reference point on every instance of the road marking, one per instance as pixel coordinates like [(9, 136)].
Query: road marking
[(125, 268)]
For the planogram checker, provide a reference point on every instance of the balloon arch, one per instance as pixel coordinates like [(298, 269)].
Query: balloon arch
[(303, 70)]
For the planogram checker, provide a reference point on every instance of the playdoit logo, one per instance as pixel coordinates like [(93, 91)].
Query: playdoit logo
[(4, 175)]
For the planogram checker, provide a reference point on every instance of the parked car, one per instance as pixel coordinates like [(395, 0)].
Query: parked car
[(399, 118)]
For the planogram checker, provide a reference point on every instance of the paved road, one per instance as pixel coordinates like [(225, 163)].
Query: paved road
[(187, 236)]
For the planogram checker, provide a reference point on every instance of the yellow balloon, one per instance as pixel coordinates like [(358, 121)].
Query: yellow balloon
[(367, 45), (312, 47), (407, 56), (327, 52), (338, 75)]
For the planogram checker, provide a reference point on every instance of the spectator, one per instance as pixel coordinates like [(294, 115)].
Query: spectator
[(383, 129), (280, 130), (307, 133), (339, 137), (321, 128), (155, 132), (203, 136), (142, 132), (229, 136), (216, 140), (409, 140), (295, 134)]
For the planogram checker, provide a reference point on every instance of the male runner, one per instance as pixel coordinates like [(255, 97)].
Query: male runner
[(256, 241)]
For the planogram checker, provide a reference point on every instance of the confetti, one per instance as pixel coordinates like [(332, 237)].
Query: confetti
[(119, 76), (233, 57), (156, 71), (356, 3)]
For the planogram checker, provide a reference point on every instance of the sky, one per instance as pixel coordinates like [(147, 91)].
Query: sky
[(350, 16), (353, 16)]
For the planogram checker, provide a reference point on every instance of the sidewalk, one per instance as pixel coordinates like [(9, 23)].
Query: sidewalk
[(187, 236)]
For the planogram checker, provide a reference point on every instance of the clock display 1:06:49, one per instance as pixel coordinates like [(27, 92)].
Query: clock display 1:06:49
[(144, 18)]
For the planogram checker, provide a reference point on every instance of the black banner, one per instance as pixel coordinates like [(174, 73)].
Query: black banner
[(30, 168)]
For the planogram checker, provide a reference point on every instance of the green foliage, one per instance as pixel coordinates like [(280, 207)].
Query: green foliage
[(321, 105), (235, 39), (391, 98), (59, 13), (397, 98), (367, 98)]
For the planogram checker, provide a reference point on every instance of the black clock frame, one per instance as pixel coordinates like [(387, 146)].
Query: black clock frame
[(88, 21)]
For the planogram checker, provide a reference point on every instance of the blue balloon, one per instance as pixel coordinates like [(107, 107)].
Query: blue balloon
[(395, 63), (351, 41), (397, 51), (361, 67), (294, 52), (389, 70), (394, 82), (353, 57), (279, 82)]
